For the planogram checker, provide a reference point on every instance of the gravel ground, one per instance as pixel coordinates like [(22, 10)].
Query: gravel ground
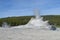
[(28, 34)]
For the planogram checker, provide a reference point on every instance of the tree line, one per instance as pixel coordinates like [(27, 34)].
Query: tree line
[(22, 20)]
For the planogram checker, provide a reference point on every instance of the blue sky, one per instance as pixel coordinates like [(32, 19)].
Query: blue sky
[(10, 8)]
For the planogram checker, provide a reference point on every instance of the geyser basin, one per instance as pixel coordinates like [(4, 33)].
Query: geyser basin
[(36, 22)]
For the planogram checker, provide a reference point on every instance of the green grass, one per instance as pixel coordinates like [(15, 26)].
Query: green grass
[(21, 20)]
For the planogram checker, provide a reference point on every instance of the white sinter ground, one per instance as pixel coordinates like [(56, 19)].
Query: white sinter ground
[(28, 34)]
